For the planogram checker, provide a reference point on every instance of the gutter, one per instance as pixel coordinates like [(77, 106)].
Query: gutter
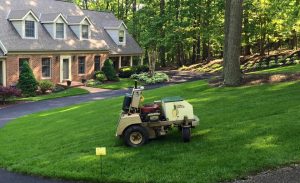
[(3, 48), (56, 52)]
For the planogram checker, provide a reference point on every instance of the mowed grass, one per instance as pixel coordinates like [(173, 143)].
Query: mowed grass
[(286, 69), (65, 93), (242, 131), (122, 84)]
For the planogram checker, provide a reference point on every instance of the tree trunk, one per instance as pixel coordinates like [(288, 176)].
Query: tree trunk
[(162, 50), (134, 19), (232, 44), (247, 50)]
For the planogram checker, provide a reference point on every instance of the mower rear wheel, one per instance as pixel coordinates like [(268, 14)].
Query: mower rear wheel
[(136, 136), (186, 134)]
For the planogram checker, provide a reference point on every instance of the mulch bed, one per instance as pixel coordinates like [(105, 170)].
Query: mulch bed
[(257, 79)]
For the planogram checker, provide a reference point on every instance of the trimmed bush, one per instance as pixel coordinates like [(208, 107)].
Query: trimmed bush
[(92, 83), (100, 76), (27, 82), (8, 92), (158, 77), (126, 72), (140, 69), (45, 85), (109, 71)]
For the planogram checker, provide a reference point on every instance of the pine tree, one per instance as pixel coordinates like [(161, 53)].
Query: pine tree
[(109, 70), (27, 82)]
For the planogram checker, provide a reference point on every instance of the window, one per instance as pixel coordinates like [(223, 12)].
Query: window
[(29, 29), (121, 36), (60, 30), (46, 67), (81, 65), (21, 61), (97, 66), (85, 31), (1, 73)]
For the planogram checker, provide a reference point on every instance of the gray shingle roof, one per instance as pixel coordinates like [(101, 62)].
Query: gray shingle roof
[(102, 19), (100, 40), (17, 14), (75, 19), (1, 52), (48, 17)]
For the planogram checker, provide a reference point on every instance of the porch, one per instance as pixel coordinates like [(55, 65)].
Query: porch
[(120, 61)]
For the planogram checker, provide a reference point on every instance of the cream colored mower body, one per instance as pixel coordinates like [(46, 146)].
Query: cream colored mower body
[(138, 124)]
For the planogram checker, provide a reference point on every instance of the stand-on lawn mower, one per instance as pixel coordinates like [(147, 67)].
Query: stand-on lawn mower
[(138, 124)]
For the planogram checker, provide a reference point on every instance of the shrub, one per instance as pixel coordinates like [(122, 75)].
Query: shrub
[(8, 92), (158, 77), (92, 83), (140, 69), (126, 72), (100, 76), (45, 85), (109, 70), (27, 82), (58, 89)]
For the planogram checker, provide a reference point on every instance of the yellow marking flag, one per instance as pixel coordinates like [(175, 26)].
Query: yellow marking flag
[(100, 151)]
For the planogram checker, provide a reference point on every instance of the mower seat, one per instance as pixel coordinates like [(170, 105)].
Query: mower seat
[(150, 108)]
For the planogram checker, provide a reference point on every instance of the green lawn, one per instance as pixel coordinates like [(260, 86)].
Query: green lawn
[(286, 69), (242, 130), (122, 84), (65, 93)]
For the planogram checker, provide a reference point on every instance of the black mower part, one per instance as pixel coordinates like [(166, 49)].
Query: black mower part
[(186, 134), (136, 136)]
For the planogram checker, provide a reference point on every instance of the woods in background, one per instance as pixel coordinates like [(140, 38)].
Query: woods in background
[(192, 31)]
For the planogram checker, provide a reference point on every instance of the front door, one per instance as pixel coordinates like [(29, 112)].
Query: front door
[(1, 73), (66, 69)]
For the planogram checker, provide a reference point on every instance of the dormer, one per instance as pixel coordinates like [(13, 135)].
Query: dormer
[(25, 22), (56, 25), (81, 26), (117, 31)]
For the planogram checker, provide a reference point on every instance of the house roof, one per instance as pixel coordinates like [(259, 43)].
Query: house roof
[(51, 17), (102, 19), (1, 53), (20, 14), (100, 40)]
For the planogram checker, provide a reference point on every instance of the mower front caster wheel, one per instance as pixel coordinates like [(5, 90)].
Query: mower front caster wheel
[(136, 136), (186, 134)]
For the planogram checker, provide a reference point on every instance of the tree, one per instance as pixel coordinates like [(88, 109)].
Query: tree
[(232, 44), (27, 82), (109, 70)]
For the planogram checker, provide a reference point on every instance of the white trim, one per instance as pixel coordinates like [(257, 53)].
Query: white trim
[(35, 30), (120, 62), (3, 72), (89, 32), (3, 48), (61, 67), (65, 31), (131, 61)]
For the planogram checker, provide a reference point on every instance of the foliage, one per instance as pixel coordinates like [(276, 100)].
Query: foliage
[(158, 77), (93, 83), (45, 85), (100, 76), (190, 31), (267, 135), (8, 92), (126, 72), (109, 70), (27, 82), (140, 69)]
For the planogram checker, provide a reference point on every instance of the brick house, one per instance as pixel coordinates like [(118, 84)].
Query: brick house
[(60, 41)]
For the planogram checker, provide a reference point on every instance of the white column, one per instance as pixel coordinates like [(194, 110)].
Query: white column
[(120, 62), (131, 61), (4, 72)]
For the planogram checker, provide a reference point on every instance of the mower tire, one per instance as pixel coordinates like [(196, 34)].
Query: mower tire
[(186, 134), (135, 136)]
